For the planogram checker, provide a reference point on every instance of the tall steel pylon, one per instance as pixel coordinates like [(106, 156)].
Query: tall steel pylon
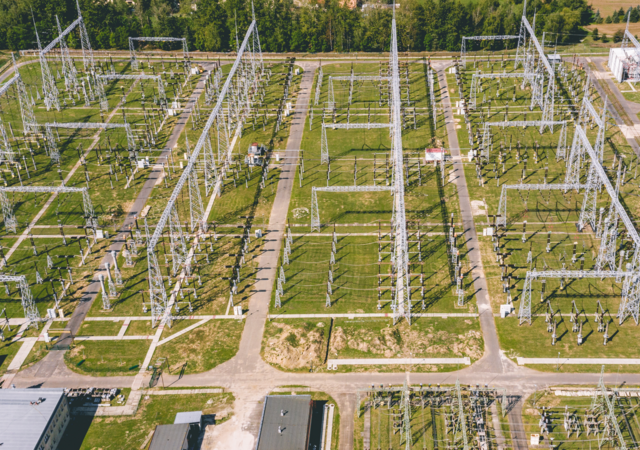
[(68, 68), (589, 203), (29, 123), (196, 208), (87, 52), (31, 312), (178, 242), (401, 250), (49, 88), (157, 291)]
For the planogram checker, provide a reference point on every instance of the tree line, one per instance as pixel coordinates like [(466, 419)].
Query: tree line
[(319, 26)]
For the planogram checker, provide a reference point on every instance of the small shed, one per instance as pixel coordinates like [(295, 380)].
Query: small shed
[(433, 154), (171, 437), (193, 418)]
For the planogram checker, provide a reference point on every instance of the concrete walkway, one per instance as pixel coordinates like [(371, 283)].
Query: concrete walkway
[(491, 361), (587, 361), (182, 332), (395, 361)]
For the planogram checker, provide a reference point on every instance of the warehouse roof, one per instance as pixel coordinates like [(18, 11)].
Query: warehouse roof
[(25, 415), (285, 422)]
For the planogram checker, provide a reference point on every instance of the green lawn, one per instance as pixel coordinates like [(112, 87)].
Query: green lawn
[(88, 433)]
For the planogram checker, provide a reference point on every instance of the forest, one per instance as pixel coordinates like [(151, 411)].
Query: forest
[(287, 26)]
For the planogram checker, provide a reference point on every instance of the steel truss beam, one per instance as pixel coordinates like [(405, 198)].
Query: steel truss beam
[(524, 313), (501, 220), (351, 79), (463, 52), (611, 414), (487, 137), (536, 64), (401, 303), (157, 291), (157, 78), (28, 303), (324, 143), (315, 213), (53, 148), (480, 76), (7, 207), (132, 49), (49, 88)]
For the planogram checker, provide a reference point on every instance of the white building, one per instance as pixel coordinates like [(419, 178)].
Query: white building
[(624, 63), (32, 418)]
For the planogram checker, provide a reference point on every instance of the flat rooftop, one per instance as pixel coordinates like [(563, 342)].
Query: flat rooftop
[(291, 414), (25, 415)]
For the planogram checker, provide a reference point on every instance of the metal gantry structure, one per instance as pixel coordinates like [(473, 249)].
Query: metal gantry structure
[(324, 143), (31, 312), (524, 314), (26, 107), (52, 146), (157, 78), (246, 73), (10, 221), (463, 51), (487, 136), (49, 89), (315, 213), (352, 79), (401, 302), (132, 49), (501, 220)]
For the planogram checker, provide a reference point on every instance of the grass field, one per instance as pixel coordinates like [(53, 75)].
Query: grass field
[(300, 345), (87, 433), (534, 219)]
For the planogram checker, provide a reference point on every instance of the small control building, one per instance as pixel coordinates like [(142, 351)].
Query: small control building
[(32, 418), (286, 423)]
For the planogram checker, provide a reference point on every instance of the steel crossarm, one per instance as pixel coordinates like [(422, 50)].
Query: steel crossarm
[(87, 125), (579, 274), (490, 38), (353, 188), (544, 187), (360, 78), (157, 39), (28, 304), (56, 41), (119, 76), (193, 159), (402, 301), (499, 75), (357, 125), (525, 123), (622, 213), (5, 87), (41, 189), (543, 56)]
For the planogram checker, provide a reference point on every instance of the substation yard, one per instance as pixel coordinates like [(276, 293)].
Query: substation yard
[(428, 417), (351, 249), (52, 246), (541, 224)]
